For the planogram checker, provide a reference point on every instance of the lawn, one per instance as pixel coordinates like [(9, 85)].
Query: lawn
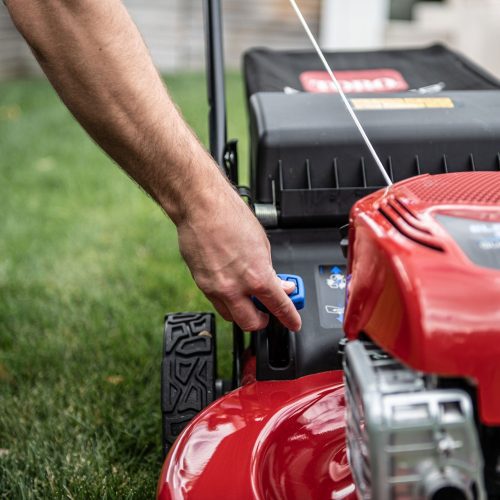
[(88, 267)]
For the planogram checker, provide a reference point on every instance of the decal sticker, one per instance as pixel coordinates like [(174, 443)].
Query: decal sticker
[(479, 240), (331, 288), (338, 311), (354, 82), (392, 103), (336, 279)]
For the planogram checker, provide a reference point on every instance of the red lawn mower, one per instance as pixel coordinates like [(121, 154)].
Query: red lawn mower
[(391, 390)]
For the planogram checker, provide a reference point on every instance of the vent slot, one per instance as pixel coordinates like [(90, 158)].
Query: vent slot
[(407, 215), (409, 231)]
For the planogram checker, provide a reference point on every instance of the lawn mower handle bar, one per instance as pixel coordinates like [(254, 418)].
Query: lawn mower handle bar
[(216, 88)]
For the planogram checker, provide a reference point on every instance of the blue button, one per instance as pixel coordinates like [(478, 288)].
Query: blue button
[(296, 282), (298, 296)]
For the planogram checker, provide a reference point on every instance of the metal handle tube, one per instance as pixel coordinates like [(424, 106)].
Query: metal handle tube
[(215, 79)]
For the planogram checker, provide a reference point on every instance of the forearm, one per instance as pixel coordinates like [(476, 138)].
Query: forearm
[(95, 58)]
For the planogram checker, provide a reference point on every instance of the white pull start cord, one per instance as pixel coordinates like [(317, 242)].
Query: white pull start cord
[(341, 93)]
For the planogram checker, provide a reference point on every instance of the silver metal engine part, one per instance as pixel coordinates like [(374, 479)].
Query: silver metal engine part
[(407, 439)]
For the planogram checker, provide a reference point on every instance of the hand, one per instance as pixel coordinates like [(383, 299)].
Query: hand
[(229, 256)]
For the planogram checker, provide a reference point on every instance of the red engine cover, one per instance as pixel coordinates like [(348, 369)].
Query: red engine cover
[(425, 277)]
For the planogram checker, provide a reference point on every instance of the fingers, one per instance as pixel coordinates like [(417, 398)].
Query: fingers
[(242, 310), (278, 303), (246, 315), (221, 308)]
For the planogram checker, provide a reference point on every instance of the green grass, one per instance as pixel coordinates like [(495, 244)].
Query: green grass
[(88, 267)]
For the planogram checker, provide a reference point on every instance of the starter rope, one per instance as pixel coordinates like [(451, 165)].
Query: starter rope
[(341, 93)]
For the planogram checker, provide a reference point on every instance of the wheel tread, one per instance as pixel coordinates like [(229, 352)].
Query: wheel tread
[(188, 370)]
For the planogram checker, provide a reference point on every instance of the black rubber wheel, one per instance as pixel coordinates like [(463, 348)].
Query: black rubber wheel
[(188, 370)]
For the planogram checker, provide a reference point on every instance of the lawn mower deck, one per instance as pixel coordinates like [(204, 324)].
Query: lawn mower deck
[(259, 442), (374, 397)]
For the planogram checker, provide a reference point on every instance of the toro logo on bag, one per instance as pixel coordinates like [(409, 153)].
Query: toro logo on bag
[(354, 82)]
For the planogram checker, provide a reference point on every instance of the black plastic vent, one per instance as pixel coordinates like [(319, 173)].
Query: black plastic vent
[(305, 198)]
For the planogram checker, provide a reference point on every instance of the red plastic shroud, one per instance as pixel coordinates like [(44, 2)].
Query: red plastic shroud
[(416, 293), (266, 440)]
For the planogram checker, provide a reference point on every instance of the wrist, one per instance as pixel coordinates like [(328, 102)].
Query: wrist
[(201, 198)]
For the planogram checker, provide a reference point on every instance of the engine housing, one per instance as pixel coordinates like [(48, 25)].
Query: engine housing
[(406, 438)]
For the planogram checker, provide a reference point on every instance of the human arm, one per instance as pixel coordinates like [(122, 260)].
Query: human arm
[(98, 63)]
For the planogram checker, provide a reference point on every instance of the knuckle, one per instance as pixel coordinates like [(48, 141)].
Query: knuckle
[(259, 287), (221, 287), (227, 291), (254, 280)]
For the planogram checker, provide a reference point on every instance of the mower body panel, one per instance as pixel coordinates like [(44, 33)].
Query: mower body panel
[(268, 440), (409, 269)]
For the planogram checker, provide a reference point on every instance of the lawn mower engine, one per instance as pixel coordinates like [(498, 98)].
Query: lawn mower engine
[(421, 364)]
